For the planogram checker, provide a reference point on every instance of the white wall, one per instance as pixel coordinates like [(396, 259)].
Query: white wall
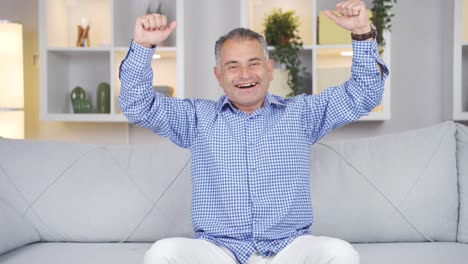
[(421, 69)]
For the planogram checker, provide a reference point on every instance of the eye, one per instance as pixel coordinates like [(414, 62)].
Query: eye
[(255, 64), (232, 67)]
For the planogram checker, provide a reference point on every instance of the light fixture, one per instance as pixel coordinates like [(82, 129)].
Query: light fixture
[(156, 56), (11, 80), (346, 53)]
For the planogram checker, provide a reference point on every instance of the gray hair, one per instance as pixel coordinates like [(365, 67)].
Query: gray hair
[(240, 33)]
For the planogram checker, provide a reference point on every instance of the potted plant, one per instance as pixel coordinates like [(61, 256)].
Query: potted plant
[(382, 18), (281, 32)]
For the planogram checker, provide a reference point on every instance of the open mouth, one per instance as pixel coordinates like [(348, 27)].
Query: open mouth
[(246, 85)]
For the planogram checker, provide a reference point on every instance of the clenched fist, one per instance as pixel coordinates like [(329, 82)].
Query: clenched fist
[(152, 29), (352, 15)]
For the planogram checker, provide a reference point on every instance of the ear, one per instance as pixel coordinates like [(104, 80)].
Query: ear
[(217, 73), (271, 66)]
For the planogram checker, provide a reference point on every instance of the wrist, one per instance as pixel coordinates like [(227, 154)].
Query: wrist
[(368, 34), (143, 44), (362, 30)]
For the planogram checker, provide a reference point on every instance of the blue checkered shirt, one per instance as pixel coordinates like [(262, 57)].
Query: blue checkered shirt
[(250, 173)]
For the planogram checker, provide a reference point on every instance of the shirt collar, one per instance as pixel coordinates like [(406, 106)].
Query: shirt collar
[(269, 100)]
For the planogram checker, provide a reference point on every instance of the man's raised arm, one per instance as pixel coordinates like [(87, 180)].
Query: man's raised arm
[(169, 117)]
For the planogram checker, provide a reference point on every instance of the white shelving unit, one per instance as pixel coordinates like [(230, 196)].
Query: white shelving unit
[(460, 61), (323, 62), (65, 66)]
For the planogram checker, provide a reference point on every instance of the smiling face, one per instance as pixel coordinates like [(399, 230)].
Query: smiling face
[(243, 73)]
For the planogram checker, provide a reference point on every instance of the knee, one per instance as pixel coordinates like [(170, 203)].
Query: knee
[(161, 252), (341, 252)]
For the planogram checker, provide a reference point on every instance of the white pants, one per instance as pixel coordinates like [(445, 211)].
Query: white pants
[(305, 249)]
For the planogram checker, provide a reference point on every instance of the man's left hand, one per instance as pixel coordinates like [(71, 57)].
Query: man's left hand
[(351, 15)]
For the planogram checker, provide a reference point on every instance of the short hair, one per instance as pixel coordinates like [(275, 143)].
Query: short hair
[(240, 33)]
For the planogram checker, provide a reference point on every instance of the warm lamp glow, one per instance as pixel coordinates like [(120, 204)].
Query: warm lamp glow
[(12, 124), (11, 80)]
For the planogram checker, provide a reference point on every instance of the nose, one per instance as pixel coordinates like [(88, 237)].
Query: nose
[(244, 72)]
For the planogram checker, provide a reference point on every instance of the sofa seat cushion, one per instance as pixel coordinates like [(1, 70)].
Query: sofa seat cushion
[(77, 253), (411, 253), (132, 253)]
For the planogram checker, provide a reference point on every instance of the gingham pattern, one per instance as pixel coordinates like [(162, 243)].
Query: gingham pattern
[(250, 173)]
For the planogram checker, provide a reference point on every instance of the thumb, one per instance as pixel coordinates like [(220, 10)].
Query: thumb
[(331, 15), (168, 30), (171, 26)]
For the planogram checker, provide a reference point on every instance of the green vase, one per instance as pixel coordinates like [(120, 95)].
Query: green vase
[(77, 96), (103, 98)]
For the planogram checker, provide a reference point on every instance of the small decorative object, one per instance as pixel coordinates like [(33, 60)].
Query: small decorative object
[(103, 98), (382, 18), (79, 102), (83, 33), (165, 90), (281, 31), (154, 7)]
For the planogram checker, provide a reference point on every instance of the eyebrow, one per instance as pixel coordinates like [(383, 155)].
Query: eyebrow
[(234, 61)]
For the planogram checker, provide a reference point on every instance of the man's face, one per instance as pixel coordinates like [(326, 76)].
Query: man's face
[(244, 73)]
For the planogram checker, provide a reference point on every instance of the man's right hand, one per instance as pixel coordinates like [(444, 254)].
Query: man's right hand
[(152, 29)]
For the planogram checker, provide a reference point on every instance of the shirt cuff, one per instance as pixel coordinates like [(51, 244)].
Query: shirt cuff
[(140, 55)]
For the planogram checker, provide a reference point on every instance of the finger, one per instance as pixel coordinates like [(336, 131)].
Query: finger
[(349, 9), (163, 24), (152, 22), (340, 8), (359, 6), (158, 20), (356, 12), (145, 23)]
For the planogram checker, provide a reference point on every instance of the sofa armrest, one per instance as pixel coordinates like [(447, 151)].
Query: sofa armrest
[(462, 166)]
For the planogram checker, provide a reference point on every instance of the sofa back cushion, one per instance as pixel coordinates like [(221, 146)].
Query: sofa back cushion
[(462, 162), (92, 193), (14, 230), (397, 187)]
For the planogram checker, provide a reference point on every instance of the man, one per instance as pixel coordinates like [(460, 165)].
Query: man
[(251, 150)]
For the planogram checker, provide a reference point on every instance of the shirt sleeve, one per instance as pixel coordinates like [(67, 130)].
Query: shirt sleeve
[(143, 106), (342, 104)]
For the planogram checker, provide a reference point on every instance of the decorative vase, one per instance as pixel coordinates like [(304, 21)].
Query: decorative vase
[(103, 98), (83, 34), (79, 102), (77, 95)]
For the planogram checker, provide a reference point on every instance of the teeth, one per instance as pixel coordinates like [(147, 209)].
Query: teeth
[(246, 85)]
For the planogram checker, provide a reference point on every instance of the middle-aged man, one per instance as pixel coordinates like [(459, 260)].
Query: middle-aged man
[(251, 150)]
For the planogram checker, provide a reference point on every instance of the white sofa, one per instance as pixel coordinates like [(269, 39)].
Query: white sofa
[(67, 203)]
